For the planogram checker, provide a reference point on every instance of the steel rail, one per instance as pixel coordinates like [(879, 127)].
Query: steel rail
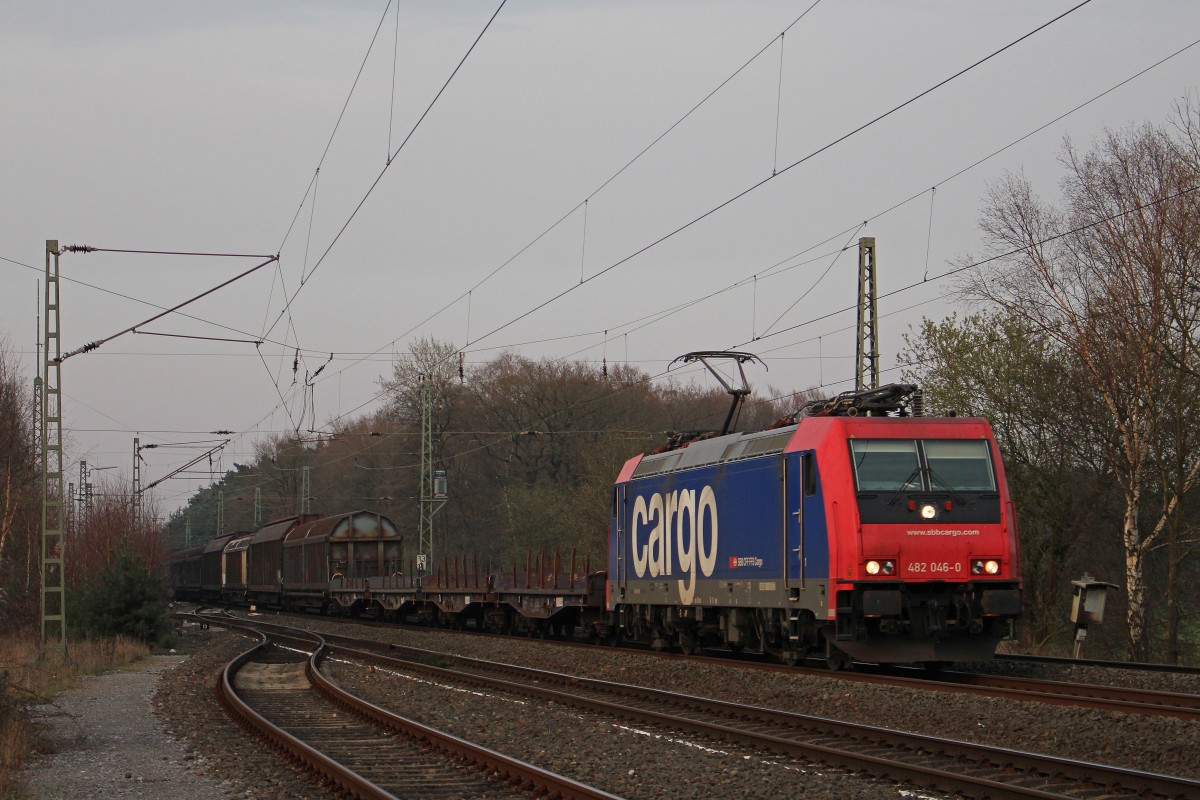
[(490, 762), (1097, 696), (514, 771), (1140, 666), (1106, 698), (313, 759), (901, 767)]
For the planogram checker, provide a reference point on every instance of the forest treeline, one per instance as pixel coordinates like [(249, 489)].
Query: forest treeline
[(1081, 345), (530, 449)]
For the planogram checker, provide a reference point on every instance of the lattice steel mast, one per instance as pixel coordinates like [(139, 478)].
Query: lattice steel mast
[(866, 370), (137, 482), (433, 484), (53, 564)]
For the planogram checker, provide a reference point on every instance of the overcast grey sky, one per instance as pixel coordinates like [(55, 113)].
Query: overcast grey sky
[(199, 127)]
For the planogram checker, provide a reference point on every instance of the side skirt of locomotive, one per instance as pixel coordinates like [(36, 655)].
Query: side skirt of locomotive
[(883, 623), (758, 616)]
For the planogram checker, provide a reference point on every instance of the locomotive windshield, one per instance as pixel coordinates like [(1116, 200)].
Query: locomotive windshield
[(886, 465), (907, 465), (961, 464)]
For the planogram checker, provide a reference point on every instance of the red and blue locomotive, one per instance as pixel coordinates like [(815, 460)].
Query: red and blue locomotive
[(858, 529)]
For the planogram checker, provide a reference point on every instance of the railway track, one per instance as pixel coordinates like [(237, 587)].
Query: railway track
[(1138, 666), (278, 691), (929, 762), (1086, 695)]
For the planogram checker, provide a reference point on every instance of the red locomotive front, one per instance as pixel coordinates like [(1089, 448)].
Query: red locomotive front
[(923, 541)]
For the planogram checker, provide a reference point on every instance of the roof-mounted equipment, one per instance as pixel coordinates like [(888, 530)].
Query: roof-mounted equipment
[(894, 399)]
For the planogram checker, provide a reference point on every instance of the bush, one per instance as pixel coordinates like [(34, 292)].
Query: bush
[(124, 600)]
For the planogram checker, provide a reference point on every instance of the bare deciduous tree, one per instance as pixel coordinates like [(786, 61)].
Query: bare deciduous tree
[(20, 504), (1108, 276)]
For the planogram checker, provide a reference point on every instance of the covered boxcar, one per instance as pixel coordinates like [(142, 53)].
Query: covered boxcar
[(211, 568), (265, 560), (342, 559), (184, 573), (235, 567)]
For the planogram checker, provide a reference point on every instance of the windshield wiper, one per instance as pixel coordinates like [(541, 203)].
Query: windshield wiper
[(935, 478), (904, 487)]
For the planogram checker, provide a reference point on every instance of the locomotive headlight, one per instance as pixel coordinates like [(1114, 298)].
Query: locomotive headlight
[(988, 567), (881, 567), (928, 511), (873, 567)]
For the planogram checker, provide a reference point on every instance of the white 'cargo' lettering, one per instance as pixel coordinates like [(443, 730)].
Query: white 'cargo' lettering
[(679, 528)]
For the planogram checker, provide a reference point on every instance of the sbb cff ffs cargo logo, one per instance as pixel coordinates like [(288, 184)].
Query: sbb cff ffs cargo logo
[(682, 533)]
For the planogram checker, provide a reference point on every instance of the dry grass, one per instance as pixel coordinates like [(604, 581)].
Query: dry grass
[(26, 681)]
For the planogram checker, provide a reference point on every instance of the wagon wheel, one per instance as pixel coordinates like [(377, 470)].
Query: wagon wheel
[(688, 645)]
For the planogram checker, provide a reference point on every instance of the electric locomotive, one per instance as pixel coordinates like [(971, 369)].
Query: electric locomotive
[(857, 530)]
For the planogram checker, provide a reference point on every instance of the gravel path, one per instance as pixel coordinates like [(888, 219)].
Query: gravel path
[(102, 740)]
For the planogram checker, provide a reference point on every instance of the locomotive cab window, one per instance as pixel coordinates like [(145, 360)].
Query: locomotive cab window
[(928, 465), (809, 470), (957, 470), (959, 464), (886, 465)]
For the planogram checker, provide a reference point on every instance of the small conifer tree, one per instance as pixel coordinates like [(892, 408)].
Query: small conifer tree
[(123, 600)]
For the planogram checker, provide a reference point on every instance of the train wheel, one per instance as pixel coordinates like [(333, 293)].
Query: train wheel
[(934, 667), (687, 645)]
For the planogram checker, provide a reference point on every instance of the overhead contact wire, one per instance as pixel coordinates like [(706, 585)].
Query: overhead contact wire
[(789, 167), (596, 191), (760, 183), (815, 283), (392, 157), (338, 124)]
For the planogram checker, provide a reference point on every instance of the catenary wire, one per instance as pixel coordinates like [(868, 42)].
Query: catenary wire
[(393, 156), (584, 203), (933, 189), (760, 183)]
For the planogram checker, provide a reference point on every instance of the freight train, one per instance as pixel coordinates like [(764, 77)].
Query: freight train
[(857, 529)]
